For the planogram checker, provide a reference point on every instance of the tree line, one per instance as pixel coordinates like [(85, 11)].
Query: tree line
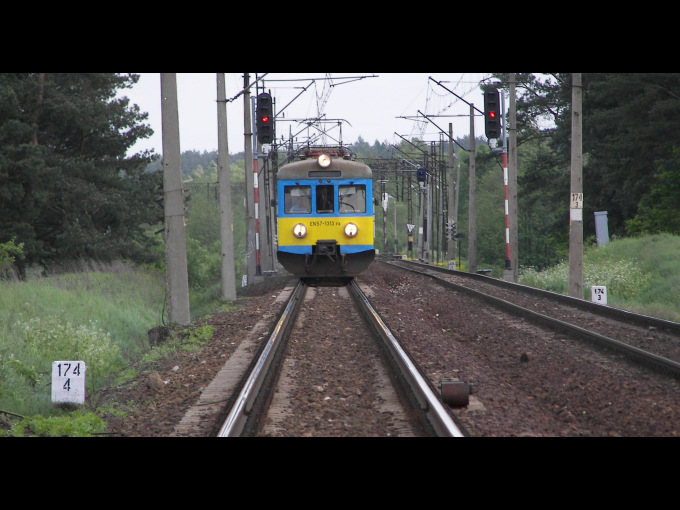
[(630, 126)]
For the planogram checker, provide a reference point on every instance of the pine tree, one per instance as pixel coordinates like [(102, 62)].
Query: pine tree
[(68, 190)]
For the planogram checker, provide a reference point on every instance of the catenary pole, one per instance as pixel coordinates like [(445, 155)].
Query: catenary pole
[(472, 206), (451, 204), (250, 187), (576, 200), (228, 281), (177, 277)]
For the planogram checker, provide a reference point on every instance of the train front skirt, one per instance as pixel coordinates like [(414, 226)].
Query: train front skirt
[(327, 260)]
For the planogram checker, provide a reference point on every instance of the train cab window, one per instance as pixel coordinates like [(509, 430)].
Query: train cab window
[(352, 198), (324, 199), (297, 199)]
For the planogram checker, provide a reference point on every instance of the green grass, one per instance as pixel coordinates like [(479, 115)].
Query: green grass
[(642, 275), (98, 316), (92, 313)]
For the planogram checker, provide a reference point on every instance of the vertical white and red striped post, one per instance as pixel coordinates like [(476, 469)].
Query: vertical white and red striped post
[(258, 270), (507, 211)]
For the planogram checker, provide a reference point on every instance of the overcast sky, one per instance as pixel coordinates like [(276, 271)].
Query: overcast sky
[(371, 107)]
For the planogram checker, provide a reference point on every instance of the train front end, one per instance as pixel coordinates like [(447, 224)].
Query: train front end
[(325, 218)]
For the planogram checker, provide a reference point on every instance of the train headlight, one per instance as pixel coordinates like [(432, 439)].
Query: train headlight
[(299, 230), (351, 230), (324, 160)]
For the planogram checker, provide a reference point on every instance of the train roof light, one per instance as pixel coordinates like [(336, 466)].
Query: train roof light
[(324, 160)]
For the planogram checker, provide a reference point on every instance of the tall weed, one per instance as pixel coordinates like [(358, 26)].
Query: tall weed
[(99, 315), (641, 275), (52, 338)]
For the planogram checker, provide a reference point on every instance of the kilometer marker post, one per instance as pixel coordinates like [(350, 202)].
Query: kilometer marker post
[(68, 382)]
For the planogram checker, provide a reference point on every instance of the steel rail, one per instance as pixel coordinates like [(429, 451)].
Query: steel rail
[(659, 363), (238, 416), (434, 410)]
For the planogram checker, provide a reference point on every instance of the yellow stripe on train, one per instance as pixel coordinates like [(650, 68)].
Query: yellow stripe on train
[(326, 228)]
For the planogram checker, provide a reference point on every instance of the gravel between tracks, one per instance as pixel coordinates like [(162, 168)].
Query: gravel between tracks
[(526, 382)]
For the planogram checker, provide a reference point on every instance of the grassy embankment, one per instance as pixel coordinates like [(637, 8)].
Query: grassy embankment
[(642, 275), (98, 315)]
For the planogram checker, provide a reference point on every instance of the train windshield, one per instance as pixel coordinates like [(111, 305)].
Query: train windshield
[(324, 199), (297, 199), (352, 199)]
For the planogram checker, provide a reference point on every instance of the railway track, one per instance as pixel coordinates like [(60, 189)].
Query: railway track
[(241, 412), (412, 408), (651, 342), (315, 375), (528, 380)]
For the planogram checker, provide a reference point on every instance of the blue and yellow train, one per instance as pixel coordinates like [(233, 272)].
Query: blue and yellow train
[(325, 217)]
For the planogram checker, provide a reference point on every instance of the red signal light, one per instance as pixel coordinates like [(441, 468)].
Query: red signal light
[(265, 121), (492, 124)]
